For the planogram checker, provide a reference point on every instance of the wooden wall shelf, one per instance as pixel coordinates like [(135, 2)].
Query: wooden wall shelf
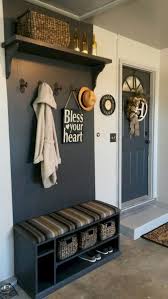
[(19, 43)]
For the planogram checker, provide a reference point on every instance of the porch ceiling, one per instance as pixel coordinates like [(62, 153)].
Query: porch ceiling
[(143, 20), (79, 7)]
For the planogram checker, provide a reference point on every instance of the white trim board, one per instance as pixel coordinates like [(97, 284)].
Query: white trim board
[(152, 131)]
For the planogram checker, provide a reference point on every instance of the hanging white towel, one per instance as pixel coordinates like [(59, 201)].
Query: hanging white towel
[(46, 149)]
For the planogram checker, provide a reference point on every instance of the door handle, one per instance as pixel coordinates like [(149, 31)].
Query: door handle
[(147, 141)]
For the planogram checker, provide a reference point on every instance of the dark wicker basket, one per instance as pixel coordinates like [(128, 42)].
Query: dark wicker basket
[(67, 247), (88, 238), (42, 27), (107, 230)]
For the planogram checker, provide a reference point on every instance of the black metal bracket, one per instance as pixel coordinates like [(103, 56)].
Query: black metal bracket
[(96, 70), (9, 54)]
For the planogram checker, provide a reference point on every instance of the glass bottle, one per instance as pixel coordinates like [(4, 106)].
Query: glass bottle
[(94, 46), (84, 43), (76, 41)]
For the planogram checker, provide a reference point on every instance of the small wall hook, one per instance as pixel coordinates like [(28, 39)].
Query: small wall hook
[(56, 89), (23, 85), (39, 83), (76, 90)]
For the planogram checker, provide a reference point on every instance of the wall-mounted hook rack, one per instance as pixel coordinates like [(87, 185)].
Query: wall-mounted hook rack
[(22, 85)]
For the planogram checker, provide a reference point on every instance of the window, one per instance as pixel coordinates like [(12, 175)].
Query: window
[(133, 84)]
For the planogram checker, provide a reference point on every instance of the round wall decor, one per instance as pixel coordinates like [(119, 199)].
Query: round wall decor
[(107, 104)]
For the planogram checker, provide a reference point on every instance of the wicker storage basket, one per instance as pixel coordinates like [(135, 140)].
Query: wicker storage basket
[(88, 238), (42, 27), (107, 230), (67, 247)]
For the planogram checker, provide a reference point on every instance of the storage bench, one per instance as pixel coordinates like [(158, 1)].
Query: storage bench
[(37, 267)]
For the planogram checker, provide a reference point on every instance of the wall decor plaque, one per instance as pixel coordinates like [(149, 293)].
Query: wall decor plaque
[(73, 126), (73, 122), (107, 104)]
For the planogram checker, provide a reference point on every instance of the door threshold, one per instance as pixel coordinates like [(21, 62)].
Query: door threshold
[(136, 203)]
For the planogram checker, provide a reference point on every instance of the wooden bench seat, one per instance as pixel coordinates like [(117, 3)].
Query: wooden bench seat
[(58, 223)]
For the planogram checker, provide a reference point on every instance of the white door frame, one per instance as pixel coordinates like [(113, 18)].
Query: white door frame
[(152, 162)]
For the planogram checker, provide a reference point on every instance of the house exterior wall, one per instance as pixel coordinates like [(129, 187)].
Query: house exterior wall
[(6, 218), (163, 126), (119, 49)]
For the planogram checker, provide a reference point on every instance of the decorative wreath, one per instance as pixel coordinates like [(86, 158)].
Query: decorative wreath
[(137, 109)]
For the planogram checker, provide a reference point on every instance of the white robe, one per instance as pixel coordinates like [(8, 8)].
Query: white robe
[(46, 149)]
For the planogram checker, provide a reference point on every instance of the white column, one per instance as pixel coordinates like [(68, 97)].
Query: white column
[(6, 218), (162, 134)]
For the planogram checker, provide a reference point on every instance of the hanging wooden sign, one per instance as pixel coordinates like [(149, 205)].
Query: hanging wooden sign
[(73, 126), (73, 122)]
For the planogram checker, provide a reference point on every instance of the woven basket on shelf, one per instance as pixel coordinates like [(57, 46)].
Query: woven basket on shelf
[(67, 247), (42, 27), (107, 230), (88, 238)]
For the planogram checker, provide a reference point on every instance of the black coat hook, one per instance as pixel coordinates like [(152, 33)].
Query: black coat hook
[(22, 85), (39, 83), (74, 89), (56, 89)]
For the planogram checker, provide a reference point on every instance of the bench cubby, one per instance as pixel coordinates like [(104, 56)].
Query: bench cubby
[(45, 272), (45, 248)]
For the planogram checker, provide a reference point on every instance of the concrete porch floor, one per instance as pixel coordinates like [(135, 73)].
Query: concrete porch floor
[(140, 273), (140, 220)]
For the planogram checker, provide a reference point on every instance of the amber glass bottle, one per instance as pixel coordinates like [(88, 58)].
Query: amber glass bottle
[(94, 46), (84, 43), (76, 40)]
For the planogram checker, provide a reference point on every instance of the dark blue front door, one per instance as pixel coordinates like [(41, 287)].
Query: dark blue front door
[(134, 149)]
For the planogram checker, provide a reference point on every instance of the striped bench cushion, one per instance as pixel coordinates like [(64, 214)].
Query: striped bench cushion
[(58, 223)]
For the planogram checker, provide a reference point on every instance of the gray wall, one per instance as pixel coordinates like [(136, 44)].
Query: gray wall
[(76, 174)]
